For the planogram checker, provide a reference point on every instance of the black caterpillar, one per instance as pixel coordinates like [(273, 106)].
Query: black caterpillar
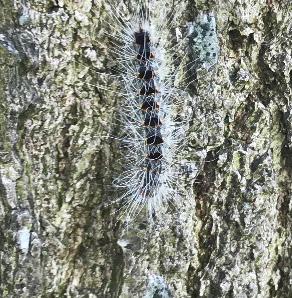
[(150, 111), (152, 133)]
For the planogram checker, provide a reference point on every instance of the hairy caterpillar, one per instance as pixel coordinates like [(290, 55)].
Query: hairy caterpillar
[(151, 118)]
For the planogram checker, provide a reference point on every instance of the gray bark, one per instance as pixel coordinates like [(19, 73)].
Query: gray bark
[(60, 236)]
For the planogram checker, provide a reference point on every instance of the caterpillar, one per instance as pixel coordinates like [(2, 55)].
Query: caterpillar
[(152, 119)]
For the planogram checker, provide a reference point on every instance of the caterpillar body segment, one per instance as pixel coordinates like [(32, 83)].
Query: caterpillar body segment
[(146, 72), (149, 104)]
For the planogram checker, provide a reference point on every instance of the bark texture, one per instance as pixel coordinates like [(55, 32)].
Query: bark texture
[(61, 238)]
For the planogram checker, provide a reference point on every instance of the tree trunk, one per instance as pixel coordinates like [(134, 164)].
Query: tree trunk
[(61, 233)]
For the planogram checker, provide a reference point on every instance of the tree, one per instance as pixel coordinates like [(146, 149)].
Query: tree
[(60, 237)]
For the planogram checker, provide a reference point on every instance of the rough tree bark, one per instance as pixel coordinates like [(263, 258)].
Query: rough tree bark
[(59, 238)]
